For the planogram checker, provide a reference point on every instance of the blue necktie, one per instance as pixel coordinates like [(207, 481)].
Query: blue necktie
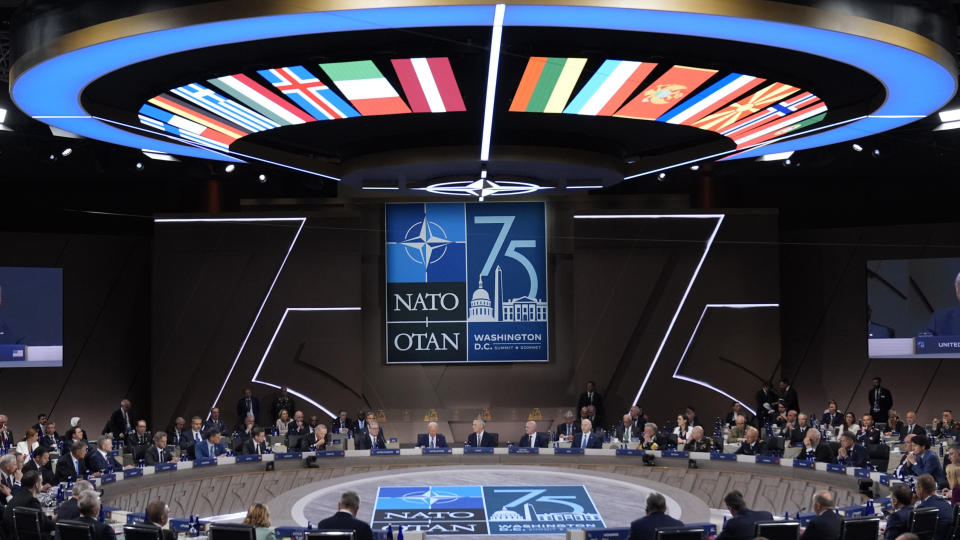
[(76, 463), (583, 443)]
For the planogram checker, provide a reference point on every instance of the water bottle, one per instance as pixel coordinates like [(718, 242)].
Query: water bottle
[(868, 509), (400, 532), (309, 526), (102, 515), (192, 532)]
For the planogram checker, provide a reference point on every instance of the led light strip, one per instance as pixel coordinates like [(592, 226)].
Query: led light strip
[(690, 341), (693, 278), (492, 71)]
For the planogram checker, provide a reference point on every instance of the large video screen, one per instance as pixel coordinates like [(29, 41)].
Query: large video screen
[(466, 283), (913, 307), (31, 317)]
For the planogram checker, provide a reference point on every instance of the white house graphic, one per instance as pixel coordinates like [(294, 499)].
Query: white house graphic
[(483, 308)]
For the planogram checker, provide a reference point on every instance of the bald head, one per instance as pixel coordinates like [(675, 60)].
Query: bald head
[(822, 500)]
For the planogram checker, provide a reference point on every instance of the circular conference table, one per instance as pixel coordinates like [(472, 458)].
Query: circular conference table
[(616, 483)]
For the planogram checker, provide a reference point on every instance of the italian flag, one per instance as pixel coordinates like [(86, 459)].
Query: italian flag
[(365, 87)]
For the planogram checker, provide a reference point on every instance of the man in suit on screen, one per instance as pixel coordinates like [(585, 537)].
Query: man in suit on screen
[(346, 518), (946, 322), (532, 439), (432, 438), (480, 438), (743, 523), (371, 439), (587, 438), (646, 527)]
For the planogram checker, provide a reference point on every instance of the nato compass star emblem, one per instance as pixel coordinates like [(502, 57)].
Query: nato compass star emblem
[(430, 497), (425, 242), (483, 188)]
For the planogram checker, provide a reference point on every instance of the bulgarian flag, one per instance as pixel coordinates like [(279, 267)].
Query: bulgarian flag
[(365, 87), (546, 84), (429, 84)]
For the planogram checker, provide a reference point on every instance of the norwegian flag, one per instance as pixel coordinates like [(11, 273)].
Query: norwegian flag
[(778, 110), (306, 90)]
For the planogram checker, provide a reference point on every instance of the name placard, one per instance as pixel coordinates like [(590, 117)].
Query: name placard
[(722, 456), (768, 460), (803, 464), (287, 455), (477, 450), (330, 453), (108, 478), (571, 450), (136, 517), (836, 468), (436, 451), (384, 451), (164, 467), (523, 450), (862, 473), (131, 473), (204, 462), (628, 452), (248, 458), (937, 344), (675, 453)]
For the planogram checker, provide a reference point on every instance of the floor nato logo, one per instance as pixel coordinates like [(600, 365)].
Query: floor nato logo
[(471, 510), (466, 282)]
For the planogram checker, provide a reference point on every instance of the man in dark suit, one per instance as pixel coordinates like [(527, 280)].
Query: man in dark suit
[(737, 410), (586, 437), (26, 497), (158, 515), (869, 434), (826, 526), (192, 438), (296, 430), (851, 454), (911, 427), (646, 527), (214, 421), (73, 466), (41, 425), (371, 439), (177, 432), (625, 430), (256, 445), (8, 478), (766, 404), (816, 449), (342, 423), (591, 398), (927, 497), (211, 447), (832, 417), (899, 521), (100, 460), (316, 440), (346, 518), (880, 401), (432, 438), (743, 523), (121, 422), (946, 322), (924, 461), (790, 398), (139, 440), (480, 438), (157, 452), (532, 439), (752, 445), (570, 427), (41, 457), (50, 439), (70, 509), (249, 404), (89, 505)]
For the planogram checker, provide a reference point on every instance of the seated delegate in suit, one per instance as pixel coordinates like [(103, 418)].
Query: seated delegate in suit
[(925, 461), (139, 440), (192, 438), (816, 449), (851, 454), (346, 518), (649, 440), (738, 431), (296, 430), (342, 423), (100, 459), (258, 517), (89, 505), (158, 516), (26, 497), (480, 438), (157, 452), (736, 411), (698, 442), (752, 445), (946, 322), (50, 439), (743, 523), (8, 478), (910, 426), (625, 431), (73, 466), (70, 509), (926, 488), (586, 438), (869, 434), (826, 526), (316, 441), (211, 447), (646, 527), (177, 432), (214, 421), (894, 424), (39, 462), (256, 445), (532, 439), (432, 438), (569, 428), (371, 439), (832, 417), (899, 521)]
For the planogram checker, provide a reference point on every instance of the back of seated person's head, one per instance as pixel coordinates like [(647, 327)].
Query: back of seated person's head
[(80, 487), (77, 446), (921, 440), (258, 515), (926, 483), (734, 501), (349, 500), (89, 503), (901, 494), (29, 480), (157, 512), (656, 503), (39, 452)]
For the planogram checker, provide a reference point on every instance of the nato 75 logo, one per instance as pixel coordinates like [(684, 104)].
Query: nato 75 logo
[(539, 509)]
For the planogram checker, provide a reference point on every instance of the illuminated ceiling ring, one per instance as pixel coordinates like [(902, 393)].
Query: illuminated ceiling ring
[(47, 82)]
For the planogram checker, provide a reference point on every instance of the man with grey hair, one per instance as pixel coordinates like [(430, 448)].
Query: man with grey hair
[(346, 518), (101, 460), (752, 445), (826, 526), (6, 436), (89, 504), (432, 438), (568, 429), (8, 477), (646, 527), (814, 448), (946, 322), (26, 497), (586, 438), (371, 439), (70, 508), (532, 439), (480, 438), (648, 441), (73, 467)]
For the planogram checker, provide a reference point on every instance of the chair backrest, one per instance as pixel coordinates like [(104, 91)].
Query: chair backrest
[(680, 533), (923, 522), (778, 530), (955, 526), (231, 531), (860, 528), (339, 535), (293, 442), (142, 531), (495, 437), (74, 530), (26, 523)]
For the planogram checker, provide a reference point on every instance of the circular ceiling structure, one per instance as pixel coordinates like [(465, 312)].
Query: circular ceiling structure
[(482, 99)]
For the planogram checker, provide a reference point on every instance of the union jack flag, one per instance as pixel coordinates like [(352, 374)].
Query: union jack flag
[(306, 90)]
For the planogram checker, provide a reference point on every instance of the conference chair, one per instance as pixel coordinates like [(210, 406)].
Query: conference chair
[(142, 531), (860, 528), (26, 523), (74, 530), (681, 533), (778, 530), (923, 522), (324, 535), (955, 525), (879, 456), (776, 446), (231, 531)]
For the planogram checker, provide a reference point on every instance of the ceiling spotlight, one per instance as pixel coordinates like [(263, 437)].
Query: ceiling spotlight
[(229, 168), (66, 151), (787, 163), (139, 166), (3, 114), (876, 152), (159, 156), (694, 167), (857, 148), (947, 126), (53, 157), (951, 115), (775, 157), (262, 178), (662, 176)]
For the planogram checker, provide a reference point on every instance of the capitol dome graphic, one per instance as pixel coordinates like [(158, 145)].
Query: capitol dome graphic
[(506, 514), (487, 308)]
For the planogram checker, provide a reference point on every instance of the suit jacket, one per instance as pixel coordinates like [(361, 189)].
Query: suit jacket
[(928, 463), (755, 449), (898, 523), (832, 420), (151, 457), (67, 470), (202, 450), (69, 509), (98, 463), (896, 428), (945, 322), (621, 431), (250, 447), (596, 400), (307, 442), (884, 401), (174, 438), (215, 424), (870, 436), (50, 442), (423, 440), (486, 441), (242, 408), (24, 499), (574, 429), (118, 426), (790, 399), (944, 518), (796, 434), (646, 527), (823, 453), (826, 526), (857, 457), (337, 425), (138, 444), (705, 444), (743, 525), (100, 530), (917, 430), (188, 443), (343, 521), (292, 430), (166, 534), (45, 473), (594, 441), (363, 442), (540, 440)]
